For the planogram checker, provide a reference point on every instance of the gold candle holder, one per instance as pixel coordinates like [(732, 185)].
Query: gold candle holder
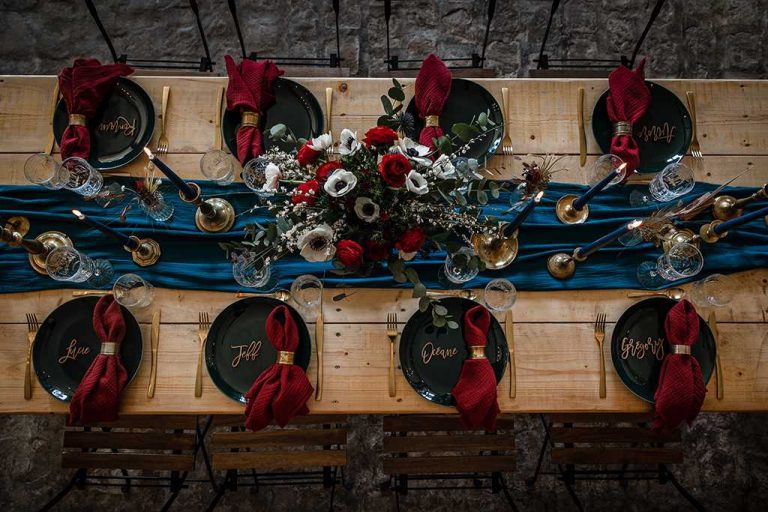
[(496, 251), (146, 253), (38, 248), (563, 265), (728, 207), (18, 224), (213, 215), (707, 232), (670, 235), (567, 214)]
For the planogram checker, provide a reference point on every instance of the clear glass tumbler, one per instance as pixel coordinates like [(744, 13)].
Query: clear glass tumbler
[(248, 271), (673, 181), (77, 175), (218, 166), (307, 291), (133, 291), (42, 169), (457, 268), (713, 290), (681, 261), (500, 295)]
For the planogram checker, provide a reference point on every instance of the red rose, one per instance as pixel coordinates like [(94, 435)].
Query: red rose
[(349, 253), (393, 168), (380, 136), (411, 240), (377, 251), (306, 193), (307, 155), (326, 169)]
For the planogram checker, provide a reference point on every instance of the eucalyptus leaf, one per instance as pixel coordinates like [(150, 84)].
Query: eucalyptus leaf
[(419, 291), (278, 131), (440, 309), (396, 94), (452, 324), (413, 276), (465, 131), (385, 101), (482, 197), (439, 321), (424, 303)]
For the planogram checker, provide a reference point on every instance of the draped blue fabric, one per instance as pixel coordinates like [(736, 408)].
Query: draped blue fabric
[(193, 260)]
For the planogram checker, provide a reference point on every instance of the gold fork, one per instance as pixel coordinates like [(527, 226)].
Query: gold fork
[(600, 337), (506, 142), (32, 327), (203, 326), (392, 334), (695, 147), (162, 140)]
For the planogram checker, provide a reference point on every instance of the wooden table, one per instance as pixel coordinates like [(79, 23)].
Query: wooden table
[(556, 355)]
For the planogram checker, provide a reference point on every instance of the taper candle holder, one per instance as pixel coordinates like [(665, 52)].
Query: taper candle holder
[(728, 207), (567, 213), (213, 215), (708, 234), (562, 265), (144, 251), (19, 224), (670, 235), (496, 251), (38, 248)]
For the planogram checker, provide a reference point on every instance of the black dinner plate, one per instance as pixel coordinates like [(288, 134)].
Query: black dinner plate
[(467, 99), (68, 331), (243, 324), (435, 378), (295, 107), (119, 130), (663, 134), (644, 321)]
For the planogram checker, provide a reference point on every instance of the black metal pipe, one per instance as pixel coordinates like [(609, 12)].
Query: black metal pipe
[(387, 15), (208, 62), (654, 15), (491, 11), (104, 35), (233, 12), (338, 37), (555, 5)]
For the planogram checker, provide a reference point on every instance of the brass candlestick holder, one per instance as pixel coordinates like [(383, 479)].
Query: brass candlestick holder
[(728, 207), (563, 265), (38, 248), (213, 215), (707, 232), (670, 235), (496, 251), (566, 212), (18, 223), (146, 253)]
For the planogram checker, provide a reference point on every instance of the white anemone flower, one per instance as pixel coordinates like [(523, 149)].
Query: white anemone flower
[(340, 182), (322, 142), (272, 177), (317, 245), (348, 143), (366, 209), (416, 183), (443, 168), (414, 151)]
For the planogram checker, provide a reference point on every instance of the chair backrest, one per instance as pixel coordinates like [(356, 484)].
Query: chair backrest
[(439, 444), (307, 442), (149, 443), (608, 439)]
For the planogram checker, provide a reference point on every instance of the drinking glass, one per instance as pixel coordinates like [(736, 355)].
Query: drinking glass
[(254, 175), (672, 182), (248, 271), (78, 176), (307, 291), (713, 290), (604, 165), (217, 166), (457, 268), (133, 291), (42, 169), (500, 295), (68, 264), (681, 261)]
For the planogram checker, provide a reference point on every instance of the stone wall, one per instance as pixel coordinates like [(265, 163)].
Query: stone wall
[(699, 39)]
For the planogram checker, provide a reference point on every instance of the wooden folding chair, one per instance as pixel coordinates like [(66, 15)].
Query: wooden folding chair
[(619, 447), (421, 451), (311, 450), (135, 445)]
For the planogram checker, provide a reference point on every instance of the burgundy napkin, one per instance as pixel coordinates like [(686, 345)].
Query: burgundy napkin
[(681, 389), (97, 397), (282, 390), (84, 87), (475, 392), (433, 86), (628, 100), (250, 89)]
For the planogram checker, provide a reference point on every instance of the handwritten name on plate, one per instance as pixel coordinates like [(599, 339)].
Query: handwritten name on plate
[(639, 349), (430, 351), (247, 352), (664, 133), (118, 125), (73, 352)]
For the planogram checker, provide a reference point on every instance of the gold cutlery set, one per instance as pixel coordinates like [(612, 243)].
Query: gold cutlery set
[(392, 335), (600, 338)]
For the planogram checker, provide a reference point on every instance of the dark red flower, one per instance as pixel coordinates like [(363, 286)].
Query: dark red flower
[(380, 136), (307, 155), (393, 168), (349, 253), (326, 169), (306, 193), (378, 251), (411, 240)]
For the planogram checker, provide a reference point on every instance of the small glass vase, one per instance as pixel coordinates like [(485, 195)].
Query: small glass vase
[(155, 206)]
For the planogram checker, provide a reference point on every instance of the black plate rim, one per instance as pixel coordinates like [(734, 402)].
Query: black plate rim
[(615, 358), (244, 303), (466, 303), (129, 319)]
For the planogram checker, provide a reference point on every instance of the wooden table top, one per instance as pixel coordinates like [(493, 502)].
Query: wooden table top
[(556, 355)]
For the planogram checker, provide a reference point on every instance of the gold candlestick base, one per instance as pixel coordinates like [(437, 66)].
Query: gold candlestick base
[(671, 235), (148, 252), (496, 252), (567, 214), (221, 216), (728, 207), (707, 232), (561, 265), (51, 240), (18, 224)]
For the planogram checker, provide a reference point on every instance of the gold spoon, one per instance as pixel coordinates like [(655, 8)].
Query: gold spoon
[(672, 293)]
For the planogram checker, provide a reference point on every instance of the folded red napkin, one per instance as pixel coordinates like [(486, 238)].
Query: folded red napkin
[(250, 89), (84, 87), (282, 390), (628, 99), (98, 395), (433, 86), (475, 392), (681, 389)]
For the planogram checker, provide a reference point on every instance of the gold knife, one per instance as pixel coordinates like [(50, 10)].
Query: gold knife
[(319, 326), (510, 333), (712, 322), (582, 133), (217, 120), (85, 293), (154, 336), (328, 108), (54, 102)]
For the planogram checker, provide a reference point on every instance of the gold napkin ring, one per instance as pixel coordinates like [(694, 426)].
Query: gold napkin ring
[(432, 121), (476, 352), (76, 120), (284, 357), (681, 349), (249, 119), (109, 348), (622, 128)]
